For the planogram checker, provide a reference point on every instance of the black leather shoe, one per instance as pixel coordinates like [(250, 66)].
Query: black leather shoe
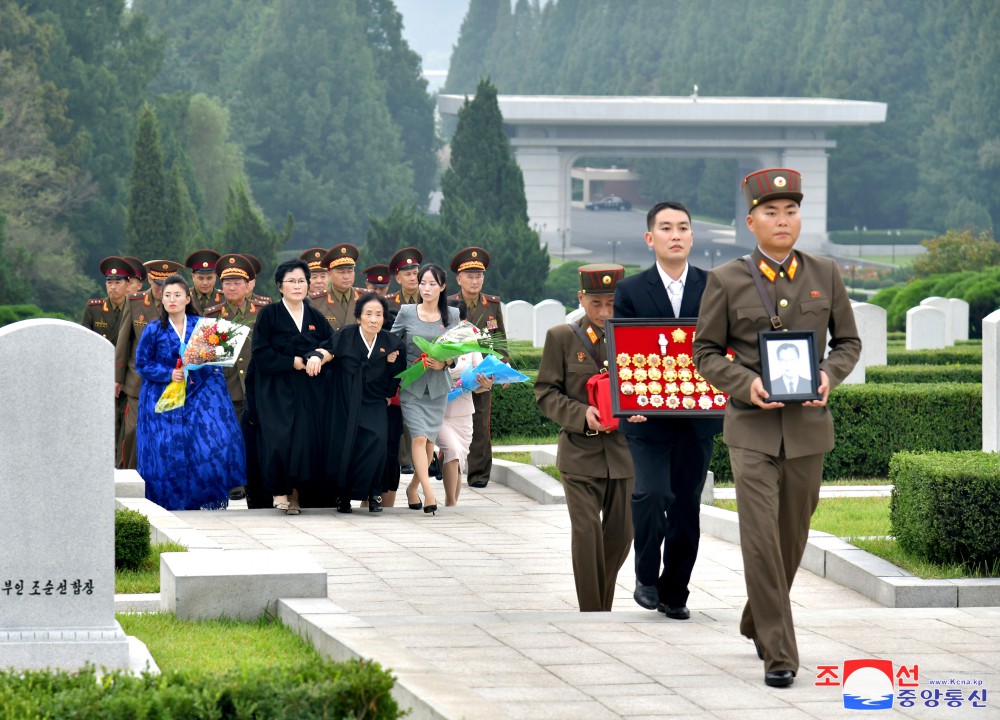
[(237, 493), (480, 484), (375, 503), (646, 595), (677, 612), (406, 469), (758, 648), (344, 505), (779, 678)]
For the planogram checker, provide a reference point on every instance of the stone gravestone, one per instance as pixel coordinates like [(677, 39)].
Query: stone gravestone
[(944, 306), (519, 319), (872, 328), (925, 328), (575, 315), (959, 318), (548, 313), (57, 506), (991, 382)]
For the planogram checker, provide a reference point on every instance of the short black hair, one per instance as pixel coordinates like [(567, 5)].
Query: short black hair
[(289, 265), (359, 304), (463, 309), (664, 205), (787, 346)]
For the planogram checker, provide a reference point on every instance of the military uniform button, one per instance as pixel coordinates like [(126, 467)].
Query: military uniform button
[(783, 303)]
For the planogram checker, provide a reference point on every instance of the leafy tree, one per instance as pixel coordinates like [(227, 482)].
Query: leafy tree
[(13, 289), (957, 250), (484, 202), (483, 173), (411, 108), (312, 113), (102, 58), (155, 225), (408, 225), (246, 230), (478, 28)]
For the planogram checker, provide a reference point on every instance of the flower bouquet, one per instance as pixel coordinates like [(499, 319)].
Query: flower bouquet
[(490, 367), (463, 338), (213, 342)]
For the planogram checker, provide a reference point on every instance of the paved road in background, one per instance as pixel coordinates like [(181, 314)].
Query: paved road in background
[(593, 231)]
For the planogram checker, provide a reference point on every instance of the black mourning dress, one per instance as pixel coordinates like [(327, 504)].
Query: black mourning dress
[(290, 404), (359, 420)]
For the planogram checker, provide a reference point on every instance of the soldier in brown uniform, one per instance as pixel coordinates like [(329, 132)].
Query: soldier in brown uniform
[(201, 263), (140, 309), (377, 279), (404, 265), (776, 449), (337, 303), (139, 274), (241, 307), (469, 266), (257, 267), (595, 464), (319, 276), (104, 317)]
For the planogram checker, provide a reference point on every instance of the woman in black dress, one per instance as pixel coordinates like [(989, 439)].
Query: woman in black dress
[(365, 360), (291, 346)]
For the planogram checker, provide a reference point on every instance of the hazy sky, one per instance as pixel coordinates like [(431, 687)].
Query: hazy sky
[(431, 28)]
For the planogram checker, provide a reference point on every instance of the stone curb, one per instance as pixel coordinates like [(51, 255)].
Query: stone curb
[(339, 636), (830, 557)]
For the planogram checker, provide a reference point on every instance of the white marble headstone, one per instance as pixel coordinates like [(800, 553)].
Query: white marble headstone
[(519, 319), (872, 328), (57, 555), (944, 306), (548, 313), (575, 315), (991, 382), (925, 328), (959, 318)]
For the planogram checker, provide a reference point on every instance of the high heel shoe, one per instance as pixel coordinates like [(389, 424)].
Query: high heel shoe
[(414, 506), (432, 509)]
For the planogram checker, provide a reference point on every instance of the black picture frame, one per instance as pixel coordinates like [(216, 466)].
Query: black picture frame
[(781, 369), (662, 328)]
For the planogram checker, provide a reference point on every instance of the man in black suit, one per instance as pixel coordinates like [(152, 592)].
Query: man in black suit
[(670, 455), (788, 380)]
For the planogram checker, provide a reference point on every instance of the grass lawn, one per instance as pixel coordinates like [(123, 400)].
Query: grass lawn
[(841, 481), (525, 458), (217, 646), (864, 522), (498, 442), (147, 578)]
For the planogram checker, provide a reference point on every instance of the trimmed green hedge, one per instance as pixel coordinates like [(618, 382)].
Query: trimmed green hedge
[(954, 355), (524, 357), (871, 421), (10, 314), (132, 544), (923, 373), (946, 506), (319, 689)]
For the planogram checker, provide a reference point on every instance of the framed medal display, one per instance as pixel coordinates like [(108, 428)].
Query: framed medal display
[(789, 366), (652, 373)]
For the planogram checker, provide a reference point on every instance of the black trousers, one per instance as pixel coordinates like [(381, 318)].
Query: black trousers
[(666, 505)]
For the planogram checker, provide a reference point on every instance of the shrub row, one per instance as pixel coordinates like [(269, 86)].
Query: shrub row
[(318, 689), (923, 373), (10, 314), (132, 544), (872, 421), (945, 507), (954, 355)]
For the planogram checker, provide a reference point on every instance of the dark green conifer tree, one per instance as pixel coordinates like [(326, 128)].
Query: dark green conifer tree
[(154, 228), (246, 231)]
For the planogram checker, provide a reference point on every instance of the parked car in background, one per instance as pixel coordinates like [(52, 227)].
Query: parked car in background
[(611, 202)]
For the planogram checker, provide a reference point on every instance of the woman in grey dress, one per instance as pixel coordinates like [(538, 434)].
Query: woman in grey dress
[(424, 402)]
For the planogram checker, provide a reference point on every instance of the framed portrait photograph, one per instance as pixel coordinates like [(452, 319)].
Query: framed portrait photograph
[(652, 370), (789, 366)]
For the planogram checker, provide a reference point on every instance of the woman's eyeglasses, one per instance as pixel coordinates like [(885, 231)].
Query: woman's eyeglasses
[(295, 282)]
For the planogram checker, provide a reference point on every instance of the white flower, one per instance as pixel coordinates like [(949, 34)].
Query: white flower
[(220, 351), (223, 325)]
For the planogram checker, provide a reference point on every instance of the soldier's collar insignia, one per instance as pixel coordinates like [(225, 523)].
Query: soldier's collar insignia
[(766, 270), (591, 334)]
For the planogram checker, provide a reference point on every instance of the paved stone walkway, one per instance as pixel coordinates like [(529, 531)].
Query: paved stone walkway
[(482, 597)]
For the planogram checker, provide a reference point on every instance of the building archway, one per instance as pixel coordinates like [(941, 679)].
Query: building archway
[(549, 133)]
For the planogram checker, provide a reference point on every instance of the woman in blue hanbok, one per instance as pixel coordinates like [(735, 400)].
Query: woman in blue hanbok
[(189, 456)]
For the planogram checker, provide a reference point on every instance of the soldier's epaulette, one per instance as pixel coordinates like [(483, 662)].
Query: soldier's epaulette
[(98, 301), (137, 295), (214, 309), (492, 298), (263, 298), (317, 294), (260, 301), (358, 292)]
